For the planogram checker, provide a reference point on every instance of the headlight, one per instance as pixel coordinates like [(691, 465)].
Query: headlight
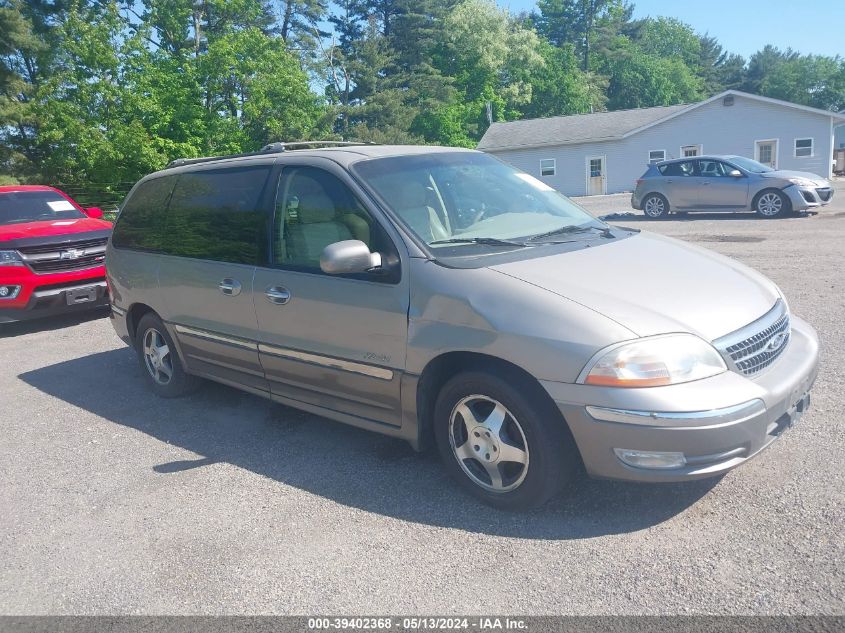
[(802, 182), (652, 362), (10, 258)]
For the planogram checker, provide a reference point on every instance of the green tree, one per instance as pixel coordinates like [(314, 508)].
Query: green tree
[(669, 37), (718, 69), (638, 80), (813, 80), (27, 45), (582, 23), (560, 87)]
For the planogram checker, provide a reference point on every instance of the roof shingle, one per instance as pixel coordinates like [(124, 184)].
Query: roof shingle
[(576, 128)]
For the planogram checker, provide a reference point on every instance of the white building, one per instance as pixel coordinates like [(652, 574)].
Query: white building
[(605, 152)]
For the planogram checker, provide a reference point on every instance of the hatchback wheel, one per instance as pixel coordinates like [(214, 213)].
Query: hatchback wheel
[(159, 360), (502, 441), (656, 206), (771, 204)]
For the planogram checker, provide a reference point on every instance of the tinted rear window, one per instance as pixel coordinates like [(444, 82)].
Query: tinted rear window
[(214, 215), (141, 220), (35, 206)]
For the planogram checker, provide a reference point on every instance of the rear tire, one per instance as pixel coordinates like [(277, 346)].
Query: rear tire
[(503, 440), (160, 363), (656, 206), (771, 203)]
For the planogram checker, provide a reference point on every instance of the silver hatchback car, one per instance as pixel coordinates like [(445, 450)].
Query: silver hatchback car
[(726, 183), (443, 297)]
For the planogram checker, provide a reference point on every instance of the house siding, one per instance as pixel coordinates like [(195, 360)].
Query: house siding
[(719, 129)]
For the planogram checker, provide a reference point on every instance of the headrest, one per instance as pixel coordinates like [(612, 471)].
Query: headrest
[(315, 207)]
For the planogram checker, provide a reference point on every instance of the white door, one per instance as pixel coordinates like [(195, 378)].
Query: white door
[(767, 153), (596, 176)]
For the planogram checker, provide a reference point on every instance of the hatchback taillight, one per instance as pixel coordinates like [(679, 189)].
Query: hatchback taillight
[(639, 182)]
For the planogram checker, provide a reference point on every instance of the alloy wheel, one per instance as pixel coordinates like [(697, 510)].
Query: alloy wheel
[(655, 207), (157, 357), (489, 443), (770, 204)]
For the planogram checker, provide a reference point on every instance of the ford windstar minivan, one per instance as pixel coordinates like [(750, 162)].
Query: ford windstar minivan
[(441, 296)]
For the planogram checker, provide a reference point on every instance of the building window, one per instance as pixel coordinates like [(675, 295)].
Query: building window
[(656, 155), (547, 167), (688, 151), (803, 147)]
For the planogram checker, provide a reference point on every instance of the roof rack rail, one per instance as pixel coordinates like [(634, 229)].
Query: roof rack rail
[(271, 148), (283, 147)]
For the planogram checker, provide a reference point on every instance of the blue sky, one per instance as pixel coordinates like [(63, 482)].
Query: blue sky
[(745, 26)]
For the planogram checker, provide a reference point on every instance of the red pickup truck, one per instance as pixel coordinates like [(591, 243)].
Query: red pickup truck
[(52, 254)]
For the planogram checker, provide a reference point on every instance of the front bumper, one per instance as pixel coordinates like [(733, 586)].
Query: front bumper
[(717, 423), (803, 198), (53, 300)]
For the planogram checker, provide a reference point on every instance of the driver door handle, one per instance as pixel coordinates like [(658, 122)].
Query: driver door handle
[(277, 295), (230, 287)]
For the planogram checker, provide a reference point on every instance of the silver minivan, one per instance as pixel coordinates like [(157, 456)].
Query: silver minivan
[(443, 297)]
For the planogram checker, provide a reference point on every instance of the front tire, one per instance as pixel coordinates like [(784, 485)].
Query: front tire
[(159, 360), (655, 206), (771, 203), (502, 440)]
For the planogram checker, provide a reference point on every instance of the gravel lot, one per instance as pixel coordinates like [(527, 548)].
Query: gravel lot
[(116, 502)]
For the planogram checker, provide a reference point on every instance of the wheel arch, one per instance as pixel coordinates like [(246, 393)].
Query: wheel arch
[(786, 199), (133, 317), (659, 194), (442, 368)]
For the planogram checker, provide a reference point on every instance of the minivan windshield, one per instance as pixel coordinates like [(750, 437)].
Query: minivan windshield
[(453, 198), (35, 206), (750, 165)]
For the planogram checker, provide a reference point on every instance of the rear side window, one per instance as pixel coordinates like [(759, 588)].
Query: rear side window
[(140, 222), (685, 168), (215, 215)]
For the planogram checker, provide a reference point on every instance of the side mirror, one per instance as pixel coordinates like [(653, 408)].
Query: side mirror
[(349, 256), (94, 212), (735, 173)]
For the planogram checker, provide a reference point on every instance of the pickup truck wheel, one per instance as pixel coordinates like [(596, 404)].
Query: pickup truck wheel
[(655, 206), (506, 448), (771, 203), (159, 361)]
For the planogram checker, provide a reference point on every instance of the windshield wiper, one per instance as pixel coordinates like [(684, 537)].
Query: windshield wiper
[(492, 241), (605, 231)]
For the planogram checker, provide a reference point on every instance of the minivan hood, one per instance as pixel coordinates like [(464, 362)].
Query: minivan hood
[(654, 285), (51, 228), (785, 174)]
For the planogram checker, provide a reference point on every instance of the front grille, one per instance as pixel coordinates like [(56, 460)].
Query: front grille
[(65, 256), (62, 246), (808, 196), (759, 344), (824, 194), (81, 263)]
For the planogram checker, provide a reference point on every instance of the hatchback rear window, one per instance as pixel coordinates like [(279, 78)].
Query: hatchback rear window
[(35, 206)]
